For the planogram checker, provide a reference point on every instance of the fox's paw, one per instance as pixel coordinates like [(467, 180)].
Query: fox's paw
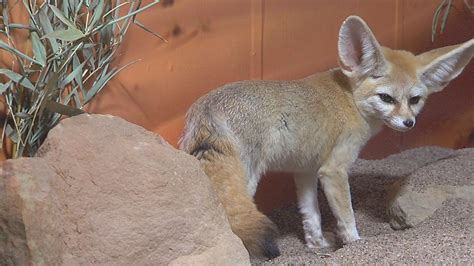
[(348, 237), (324, 240)]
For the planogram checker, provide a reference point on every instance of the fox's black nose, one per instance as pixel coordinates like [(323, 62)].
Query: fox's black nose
[(408, 123)]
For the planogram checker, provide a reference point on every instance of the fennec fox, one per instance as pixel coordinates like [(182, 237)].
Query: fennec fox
[(313, 127)]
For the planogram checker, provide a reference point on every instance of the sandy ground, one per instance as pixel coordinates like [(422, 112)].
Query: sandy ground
[(446, 237)]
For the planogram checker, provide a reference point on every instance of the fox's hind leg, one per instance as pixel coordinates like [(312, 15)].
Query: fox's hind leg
[(307, 191)]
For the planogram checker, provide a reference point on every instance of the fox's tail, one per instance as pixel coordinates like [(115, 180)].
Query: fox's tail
[(255, 229), (221, 162)]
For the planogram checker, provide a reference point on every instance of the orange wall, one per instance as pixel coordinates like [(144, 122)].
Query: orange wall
[(213, 42)]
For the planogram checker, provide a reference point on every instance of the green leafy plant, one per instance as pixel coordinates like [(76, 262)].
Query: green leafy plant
[(440, 17), (73, 45)]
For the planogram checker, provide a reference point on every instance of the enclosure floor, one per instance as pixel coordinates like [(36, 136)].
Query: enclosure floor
[(446, 237)]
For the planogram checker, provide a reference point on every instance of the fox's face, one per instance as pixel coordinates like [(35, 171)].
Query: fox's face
[(391, 85), (397, 96)]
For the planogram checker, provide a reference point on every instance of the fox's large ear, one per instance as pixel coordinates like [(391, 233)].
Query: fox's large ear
[(359, 52), (442, 65)]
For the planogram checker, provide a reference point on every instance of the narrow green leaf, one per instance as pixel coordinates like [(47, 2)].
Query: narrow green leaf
[(99, 9), (17, 78), (5, 122), (66, 35), (88, 53), (77, 100), (23, 115), (66, 9), (90, 45), (47, 90), (73, 95), (42, 130), (101, 82), (139, 24), (42, 78), (62, 109), (48, 28), (133, 13), (61, 17), (11, 133), (6, 47), (116, 14), (19, 26), (54, 120), (5, 18), (445, 17), (71, 53), (31, 10), (76, 72), (434, 24), (126, 24), (74, 5), (4, 87), (79, 5), (98, 85), (93, 5), (108, 58), (117, 7), (76, 63), (38, 49)]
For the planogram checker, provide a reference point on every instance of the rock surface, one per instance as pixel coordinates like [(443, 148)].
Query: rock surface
[(421, 193), (445, 237), (104, 191)]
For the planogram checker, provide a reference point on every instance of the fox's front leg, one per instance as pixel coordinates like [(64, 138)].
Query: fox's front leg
[(335, 184)]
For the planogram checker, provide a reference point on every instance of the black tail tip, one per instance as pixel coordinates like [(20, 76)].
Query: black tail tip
[(265, 247), (270, 248)]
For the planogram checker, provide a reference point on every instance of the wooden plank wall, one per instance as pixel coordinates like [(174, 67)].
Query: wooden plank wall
[(213, 42)]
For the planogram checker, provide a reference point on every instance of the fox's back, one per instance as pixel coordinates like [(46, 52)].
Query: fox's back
[(287, 124)]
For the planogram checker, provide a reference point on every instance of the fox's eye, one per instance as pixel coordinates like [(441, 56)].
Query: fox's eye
[(386, 98), (414, 100)]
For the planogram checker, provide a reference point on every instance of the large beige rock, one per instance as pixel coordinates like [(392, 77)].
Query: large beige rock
[(104, 191), (420, 194)]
